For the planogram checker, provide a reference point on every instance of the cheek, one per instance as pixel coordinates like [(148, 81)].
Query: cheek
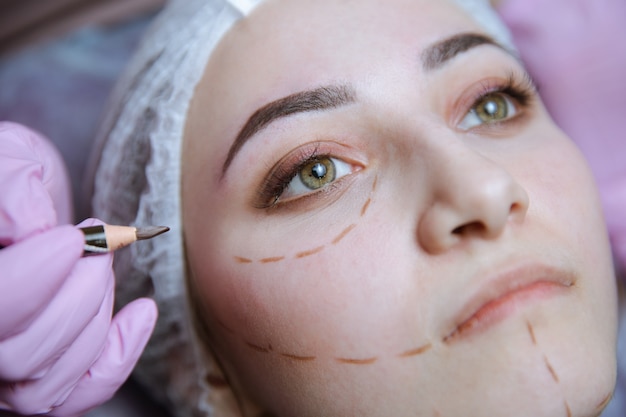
[(564, 198), (320, 305)]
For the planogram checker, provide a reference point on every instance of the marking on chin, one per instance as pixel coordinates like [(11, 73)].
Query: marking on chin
[(366, 206), (568, 410), (531, 331), (551, 369)]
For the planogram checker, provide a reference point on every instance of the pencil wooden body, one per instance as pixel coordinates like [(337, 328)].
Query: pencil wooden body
[(107, 238)]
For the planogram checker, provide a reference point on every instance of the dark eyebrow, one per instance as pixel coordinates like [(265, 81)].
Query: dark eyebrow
[(435, 56), (322, 98)]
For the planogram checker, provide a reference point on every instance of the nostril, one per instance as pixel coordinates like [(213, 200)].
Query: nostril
[(469, 228)]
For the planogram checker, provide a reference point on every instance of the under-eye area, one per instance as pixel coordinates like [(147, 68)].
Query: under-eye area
[(316, 250)]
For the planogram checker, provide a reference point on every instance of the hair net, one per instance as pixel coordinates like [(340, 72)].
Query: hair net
[(138, 182)]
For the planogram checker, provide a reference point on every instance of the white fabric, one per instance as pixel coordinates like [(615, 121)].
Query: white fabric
[(138, 182)]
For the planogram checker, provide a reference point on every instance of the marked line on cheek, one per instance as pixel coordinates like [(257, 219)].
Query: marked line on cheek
[(568, 410), (298, 357), (551, 369), (241, 260), (604, 402), (349, 361), (272, 260), (309, 252), (375, 183), (416, 352), (344, 233), (225, 327), (531, 331), (258, 348)]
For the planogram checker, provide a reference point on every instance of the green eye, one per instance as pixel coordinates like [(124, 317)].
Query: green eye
[(491, 108), (317, 173)]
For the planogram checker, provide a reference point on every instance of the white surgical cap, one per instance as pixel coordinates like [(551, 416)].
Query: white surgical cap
[(138, 182)]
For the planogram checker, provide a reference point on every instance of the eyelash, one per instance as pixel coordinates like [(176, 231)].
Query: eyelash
[(521, 88), (287, 169)]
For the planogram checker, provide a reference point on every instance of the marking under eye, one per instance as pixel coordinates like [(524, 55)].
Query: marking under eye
[(272, 260), (375, 184), (532, 333), (349, 361), (551, 369), (298, 357), (415, 352), (309, 252), (343, 234)]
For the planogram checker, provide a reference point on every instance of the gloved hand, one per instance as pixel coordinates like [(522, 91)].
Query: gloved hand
[(61, 352), (572, 48)]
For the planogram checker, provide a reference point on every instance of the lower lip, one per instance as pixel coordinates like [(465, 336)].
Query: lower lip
[(497, 310)]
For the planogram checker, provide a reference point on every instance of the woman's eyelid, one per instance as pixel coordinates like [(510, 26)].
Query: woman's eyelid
[(296, 187), (515, 85), (281, 173)]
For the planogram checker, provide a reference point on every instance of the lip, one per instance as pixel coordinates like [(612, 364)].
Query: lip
[(505, 294)]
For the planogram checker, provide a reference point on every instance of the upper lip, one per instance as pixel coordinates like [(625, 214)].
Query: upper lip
[(505, 282)]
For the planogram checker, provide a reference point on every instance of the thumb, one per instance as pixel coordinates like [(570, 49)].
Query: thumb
[(128, 335)]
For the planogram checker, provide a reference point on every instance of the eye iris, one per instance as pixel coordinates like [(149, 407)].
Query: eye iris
[(318, 173), (492, 108)]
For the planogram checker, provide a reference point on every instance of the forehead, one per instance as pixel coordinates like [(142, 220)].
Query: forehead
[(329, 38)]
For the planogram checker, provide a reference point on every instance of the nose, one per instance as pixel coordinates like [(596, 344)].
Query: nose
[(473, 198)]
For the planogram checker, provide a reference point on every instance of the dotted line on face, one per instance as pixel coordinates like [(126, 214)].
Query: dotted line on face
[(342, 360), (414, 352), (548, 365), (310, 252)]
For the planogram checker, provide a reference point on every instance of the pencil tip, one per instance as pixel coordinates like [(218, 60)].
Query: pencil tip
[(144, 233)]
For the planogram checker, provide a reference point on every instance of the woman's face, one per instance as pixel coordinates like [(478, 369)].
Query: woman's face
[(382, 220)]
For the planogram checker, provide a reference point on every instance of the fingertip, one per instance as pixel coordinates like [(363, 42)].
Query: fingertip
[(138, 318)]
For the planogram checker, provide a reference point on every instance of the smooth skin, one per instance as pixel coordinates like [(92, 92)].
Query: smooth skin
[(352, 300)]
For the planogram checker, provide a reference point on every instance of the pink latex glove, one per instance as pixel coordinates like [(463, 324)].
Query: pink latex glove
[(575, 51), (61, 352)]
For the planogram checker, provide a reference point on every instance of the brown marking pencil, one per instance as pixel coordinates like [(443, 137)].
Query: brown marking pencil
[(107, 238)]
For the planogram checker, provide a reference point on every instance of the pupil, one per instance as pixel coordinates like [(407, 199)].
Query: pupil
[(319, 170), (491, 108)]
